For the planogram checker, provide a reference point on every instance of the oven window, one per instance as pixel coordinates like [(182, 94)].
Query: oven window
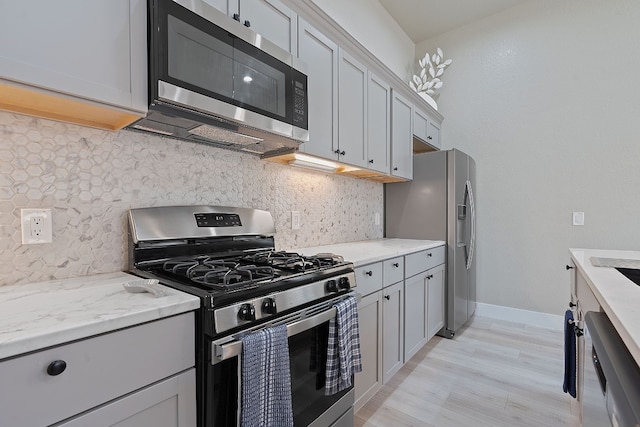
[(308, 357)]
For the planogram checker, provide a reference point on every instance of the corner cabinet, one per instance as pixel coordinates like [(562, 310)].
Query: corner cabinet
[(401, 136), (321, 56), (122, 378), (81, 61), (426, 129)]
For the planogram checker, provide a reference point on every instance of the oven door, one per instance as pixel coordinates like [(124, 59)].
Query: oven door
[(307, 355)]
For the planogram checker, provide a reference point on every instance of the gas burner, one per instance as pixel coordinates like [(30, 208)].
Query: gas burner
[(194, 266), (234, 278), (293, 261)]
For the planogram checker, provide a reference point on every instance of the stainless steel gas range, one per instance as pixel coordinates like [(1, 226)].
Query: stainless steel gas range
[(227, 257)]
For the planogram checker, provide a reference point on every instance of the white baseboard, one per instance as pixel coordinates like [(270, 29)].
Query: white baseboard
[(533, 318)]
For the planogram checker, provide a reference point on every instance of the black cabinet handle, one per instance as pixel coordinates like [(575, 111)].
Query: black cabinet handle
[(387, 297), (568, 267), (236, 16), (247, 24), (395, 264), (340, 153), (56, 367), (395, 169), (371, 161), (369, 273), (429, 137), (429, 254), (572, 305), (430, 277)]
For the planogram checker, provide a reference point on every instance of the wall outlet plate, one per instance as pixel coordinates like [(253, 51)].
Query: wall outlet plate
[(295, 220), (578, 218), (36, 226)]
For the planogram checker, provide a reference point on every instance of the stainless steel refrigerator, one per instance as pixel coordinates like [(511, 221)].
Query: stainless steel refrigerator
[(439, 204)]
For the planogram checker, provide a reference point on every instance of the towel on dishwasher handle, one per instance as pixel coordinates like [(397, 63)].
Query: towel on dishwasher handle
[(343, 348), (569, 385), (266, 379)]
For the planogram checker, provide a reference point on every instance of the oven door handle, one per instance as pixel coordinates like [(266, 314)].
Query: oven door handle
[(233, 348)]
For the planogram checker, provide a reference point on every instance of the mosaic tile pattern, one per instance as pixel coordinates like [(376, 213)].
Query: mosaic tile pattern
[(90, 178)]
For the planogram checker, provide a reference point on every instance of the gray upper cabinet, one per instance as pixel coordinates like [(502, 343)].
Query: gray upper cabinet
[(321, 56), (352, 110), (401, 137), (270, 18), (426, 128), (91, 50), (378, 124)]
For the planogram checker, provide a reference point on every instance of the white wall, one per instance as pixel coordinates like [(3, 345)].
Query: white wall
[(546, 97), (369, 23)]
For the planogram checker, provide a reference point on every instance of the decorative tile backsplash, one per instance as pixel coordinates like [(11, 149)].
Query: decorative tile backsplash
[(90, 178)]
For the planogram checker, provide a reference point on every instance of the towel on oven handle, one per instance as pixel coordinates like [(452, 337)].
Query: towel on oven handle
[(266, 379), (343, 348)]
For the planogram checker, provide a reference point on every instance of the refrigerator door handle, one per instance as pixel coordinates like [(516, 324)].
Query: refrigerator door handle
[(472, 243)]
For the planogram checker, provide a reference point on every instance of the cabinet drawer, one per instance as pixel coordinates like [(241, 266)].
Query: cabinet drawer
[(421, 261), (98, 370), (392, 271), (369, 278)]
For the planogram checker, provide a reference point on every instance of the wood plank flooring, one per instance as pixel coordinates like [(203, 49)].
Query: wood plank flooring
[(494, 373)]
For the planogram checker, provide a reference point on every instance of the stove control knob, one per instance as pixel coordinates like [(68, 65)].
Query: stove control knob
[(343, 283), (269, 306), (247, 312), (331, 286)]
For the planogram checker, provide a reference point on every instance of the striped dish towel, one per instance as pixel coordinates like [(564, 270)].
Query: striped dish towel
[(266, 379), (343, 352)]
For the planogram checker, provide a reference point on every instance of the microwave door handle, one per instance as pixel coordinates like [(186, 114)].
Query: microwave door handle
[(233, 348), (472, 243)]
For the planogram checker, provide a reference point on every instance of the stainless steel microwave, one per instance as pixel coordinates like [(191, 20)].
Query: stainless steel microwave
[(213, 80)]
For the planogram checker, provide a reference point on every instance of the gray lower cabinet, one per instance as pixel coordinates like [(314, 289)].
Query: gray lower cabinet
[(392, 330), (369, 381), (415, 314), (114, 373), (435, 300), (169, 403)]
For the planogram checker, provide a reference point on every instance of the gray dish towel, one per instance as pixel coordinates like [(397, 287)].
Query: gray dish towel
[(266, 379), (343, 348)]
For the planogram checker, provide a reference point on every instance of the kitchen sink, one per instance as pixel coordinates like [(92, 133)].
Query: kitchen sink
[(632, 274)]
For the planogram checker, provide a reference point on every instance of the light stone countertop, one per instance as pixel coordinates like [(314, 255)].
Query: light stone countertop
[(618, 296), (39, 315), (369, 251)]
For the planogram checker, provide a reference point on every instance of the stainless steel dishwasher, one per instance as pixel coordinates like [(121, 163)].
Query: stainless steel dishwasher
[(612, 377)]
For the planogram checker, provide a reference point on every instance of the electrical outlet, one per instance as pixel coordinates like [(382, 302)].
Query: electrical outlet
[(578, 218), (295, 220), (376, 218), (36, 226)]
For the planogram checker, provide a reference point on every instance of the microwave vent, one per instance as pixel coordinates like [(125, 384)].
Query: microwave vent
[(224, 135)]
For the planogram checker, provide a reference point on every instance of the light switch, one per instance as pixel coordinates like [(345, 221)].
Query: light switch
[(578, 218)]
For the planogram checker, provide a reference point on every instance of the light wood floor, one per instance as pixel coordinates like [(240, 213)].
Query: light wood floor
[(494, 373)]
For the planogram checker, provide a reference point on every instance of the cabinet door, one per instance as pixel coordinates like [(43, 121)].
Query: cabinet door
[(401, 137), (92, 49), (435, 300), (352, 110), (228, 7), (392, 330), (415, 310), (272, 20), (433, 134), (169, 403), (321, 57), (378, 124), (369, 381)]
